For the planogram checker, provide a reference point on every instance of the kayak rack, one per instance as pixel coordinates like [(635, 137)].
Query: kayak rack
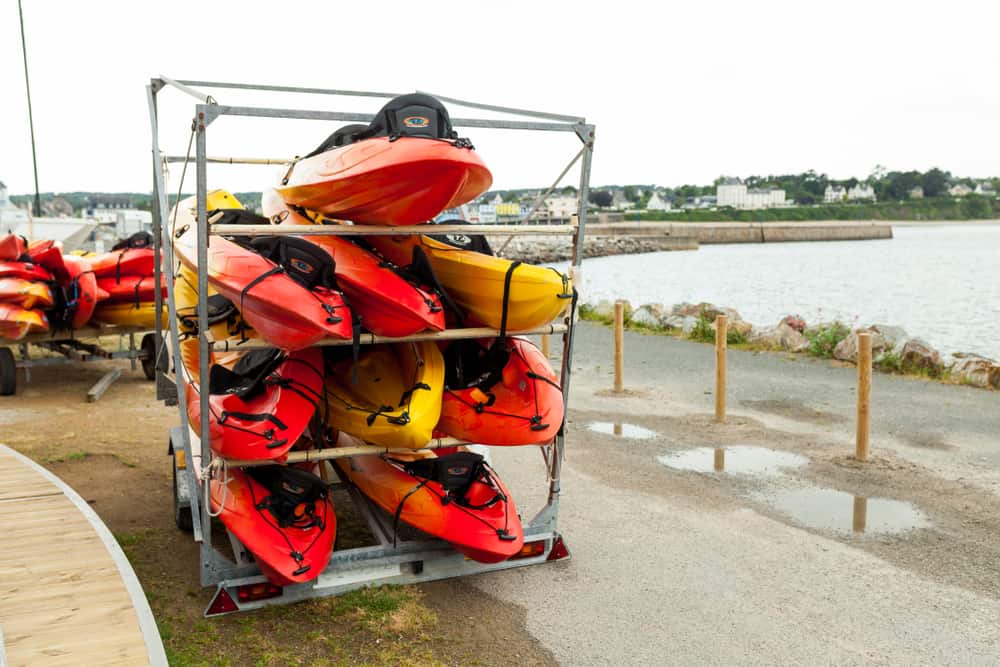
[(73, 347), (239, 584)]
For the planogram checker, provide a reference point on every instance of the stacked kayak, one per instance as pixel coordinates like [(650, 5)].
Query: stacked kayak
[(25, 291), (126, 283), (42, 290), (310, 297)]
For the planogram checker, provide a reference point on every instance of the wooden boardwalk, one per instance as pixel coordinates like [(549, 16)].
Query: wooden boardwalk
[(68, 595)]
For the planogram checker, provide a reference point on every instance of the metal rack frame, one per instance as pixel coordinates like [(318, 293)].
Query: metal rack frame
[(406, 561)]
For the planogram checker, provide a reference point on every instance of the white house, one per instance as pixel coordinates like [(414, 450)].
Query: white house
[(861, 191), (917, 192), (959, 190), (658, 203), (834, 193), (559, 207), (765, 198), (985, 189), (619, 202), (731, 192)]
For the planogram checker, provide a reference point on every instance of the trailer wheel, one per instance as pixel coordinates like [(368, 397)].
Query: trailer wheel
[(8, 372), (182, 515), (148, 349)]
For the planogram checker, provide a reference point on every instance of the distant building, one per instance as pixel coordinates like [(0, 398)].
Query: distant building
[(507, 210), (497, 199), (917, 192), (861, 191), (834, 193), (487, 213), (10, 215), (732, 192), (559, 207), (959, 190), (985, 189), (658, 203), (619, 201)]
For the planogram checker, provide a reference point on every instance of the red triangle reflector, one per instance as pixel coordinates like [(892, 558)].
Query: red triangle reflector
[(222, 604), (559, 550)]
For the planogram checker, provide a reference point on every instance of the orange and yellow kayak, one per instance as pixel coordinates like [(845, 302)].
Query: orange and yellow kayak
[(25, 293), (17, 322)]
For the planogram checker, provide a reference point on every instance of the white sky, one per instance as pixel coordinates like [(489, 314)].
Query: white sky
[(680, 93)]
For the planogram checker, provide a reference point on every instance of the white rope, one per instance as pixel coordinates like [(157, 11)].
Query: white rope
[(207, 474)]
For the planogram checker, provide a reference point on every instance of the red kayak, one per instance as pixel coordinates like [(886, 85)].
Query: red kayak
[(476, 513), (283, 516), (275, 299), (130, 288), (503, 395), (127, 261), (25, 293), (17, 322), (12, 247), (261, 401), (49, 256), (24, 270), (386, 303), (81, 291)]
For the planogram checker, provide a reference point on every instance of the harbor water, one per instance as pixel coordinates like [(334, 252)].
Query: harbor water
[(940, 282)]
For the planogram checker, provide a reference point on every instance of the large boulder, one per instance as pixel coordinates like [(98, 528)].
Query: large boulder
[(710, 311), (686, 310), (605, 309), (649, 315), (915, 353), (685, 324), (976, 370), (796, 322), (885, 339), (781, 337)]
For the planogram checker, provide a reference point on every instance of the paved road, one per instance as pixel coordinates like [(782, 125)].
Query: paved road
[(662, 574)]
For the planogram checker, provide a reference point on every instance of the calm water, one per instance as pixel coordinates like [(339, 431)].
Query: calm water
[(940, 283)]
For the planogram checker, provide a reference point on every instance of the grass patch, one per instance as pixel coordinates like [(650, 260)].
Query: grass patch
[(71, 456), (704, 332), (892, 362), (824, 339)]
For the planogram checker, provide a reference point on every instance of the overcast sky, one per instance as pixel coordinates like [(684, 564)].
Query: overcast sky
[(680, 92)]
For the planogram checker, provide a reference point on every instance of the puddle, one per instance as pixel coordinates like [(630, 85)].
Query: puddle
[(740, 460), (622, 430), (828, 509)]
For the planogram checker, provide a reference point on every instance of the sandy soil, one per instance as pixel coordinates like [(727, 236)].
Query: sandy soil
[(114, 453)]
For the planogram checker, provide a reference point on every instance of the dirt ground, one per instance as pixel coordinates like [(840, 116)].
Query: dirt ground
[(114, 454)]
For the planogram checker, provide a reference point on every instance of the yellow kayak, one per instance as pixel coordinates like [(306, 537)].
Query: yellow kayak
[(128, 314), (227, 321), (396, 401), (476, 281)]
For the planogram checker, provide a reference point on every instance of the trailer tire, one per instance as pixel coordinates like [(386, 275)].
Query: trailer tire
[(8, 372), (182, 515), (148, 349)]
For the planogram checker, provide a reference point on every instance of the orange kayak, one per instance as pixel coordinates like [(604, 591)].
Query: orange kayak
[(381, 182), (17, 322), (25, 293), (503, 395), (480, 520)]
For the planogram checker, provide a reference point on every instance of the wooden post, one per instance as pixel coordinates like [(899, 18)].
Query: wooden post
[(720, 460), (864, 394), (860, 514), (618, 429), (619, 344), (721, 329), (545, 345)]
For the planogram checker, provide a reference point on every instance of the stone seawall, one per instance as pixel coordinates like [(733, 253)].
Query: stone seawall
[(604, 239), (779, 232)]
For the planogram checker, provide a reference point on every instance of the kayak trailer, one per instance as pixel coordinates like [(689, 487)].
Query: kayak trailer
[(79, 346), (225, 563)]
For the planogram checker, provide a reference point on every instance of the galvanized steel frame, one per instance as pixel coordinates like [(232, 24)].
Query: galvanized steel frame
[(423, 560)]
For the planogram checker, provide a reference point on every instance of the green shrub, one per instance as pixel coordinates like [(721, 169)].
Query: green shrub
[(703, 331), (824, 339)]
